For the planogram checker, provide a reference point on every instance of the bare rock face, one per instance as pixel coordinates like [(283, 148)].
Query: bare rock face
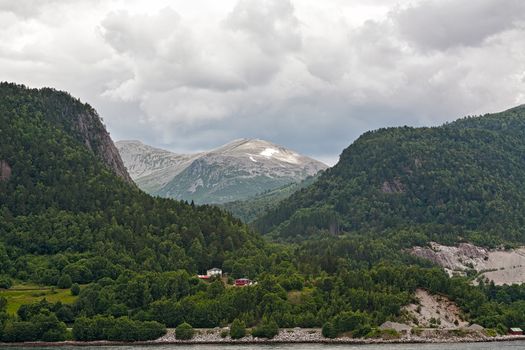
[(452, 258), (394, 186), (5, 171), (499, 266), (94, 135)]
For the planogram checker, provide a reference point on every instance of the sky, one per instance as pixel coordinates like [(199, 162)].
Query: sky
[(310, 75)]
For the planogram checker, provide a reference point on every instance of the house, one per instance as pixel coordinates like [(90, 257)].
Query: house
[(215, 272), (203, 277), (515, 331), (241, 282)]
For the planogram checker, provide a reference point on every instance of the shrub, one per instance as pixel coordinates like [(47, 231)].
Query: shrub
[(75, 289), (5, 282), (238, 329), (328, 330), (184, 331), (43, 326), (64, 281), (350, 321), (110, 328), (19, 331), (491, 332), (3, 304), (361, 331), (268, 328), (501, 329)]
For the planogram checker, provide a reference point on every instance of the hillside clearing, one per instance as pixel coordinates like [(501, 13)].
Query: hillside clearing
[(20, 295)]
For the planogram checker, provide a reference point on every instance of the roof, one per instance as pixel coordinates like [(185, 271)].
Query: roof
[(215, 269), (516, 329)]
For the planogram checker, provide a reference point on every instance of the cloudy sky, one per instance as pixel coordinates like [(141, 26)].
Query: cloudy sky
[(307, 74)]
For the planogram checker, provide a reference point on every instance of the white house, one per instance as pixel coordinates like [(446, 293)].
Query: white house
[(215, 272)]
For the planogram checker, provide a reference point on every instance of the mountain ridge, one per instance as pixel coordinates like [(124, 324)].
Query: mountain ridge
[(236, 170), (459, 181)]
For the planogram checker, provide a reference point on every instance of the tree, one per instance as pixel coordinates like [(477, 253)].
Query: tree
[(328, 330), (5, 282), (268, 328), (64, 281), (75, 289), (184, 331), (237, 329)]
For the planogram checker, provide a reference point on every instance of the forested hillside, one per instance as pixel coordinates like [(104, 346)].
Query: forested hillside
[(463, 180), (70, 220), (60, 201), (250, 209)]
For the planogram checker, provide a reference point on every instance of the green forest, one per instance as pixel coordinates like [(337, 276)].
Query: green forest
[(333, 256), (459, 181)]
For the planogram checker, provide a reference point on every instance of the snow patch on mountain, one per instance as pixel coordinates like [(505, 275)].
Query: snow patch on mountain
[(236, 170), (268, 152)]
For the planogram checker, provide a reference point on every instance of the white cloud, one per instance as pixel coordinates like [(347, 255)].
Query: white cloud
[(307, 74)]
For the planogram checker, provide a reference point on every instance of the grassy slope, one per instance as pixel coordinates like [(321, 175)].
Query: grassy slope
[(29, 294)]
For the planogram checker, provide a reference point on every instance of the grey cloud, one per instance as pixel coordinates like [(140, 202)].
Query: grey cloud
[(442, 24), (27, 9), (259, 70), (271, 24)]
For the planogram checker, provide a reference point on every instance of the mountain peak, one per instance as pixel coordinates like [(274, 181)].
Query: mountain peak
[(236, 170)]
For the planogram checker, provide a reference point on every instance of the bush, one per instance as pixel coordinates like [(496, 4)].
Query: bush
[(268, 328), (45, 327), (328, 330), (184, 331), (19, 331), (121, 329), (361, 331), (5, 282), (238, 329), (3, 304), (502, 329), (64, 282), (75, 289), (350, 321)]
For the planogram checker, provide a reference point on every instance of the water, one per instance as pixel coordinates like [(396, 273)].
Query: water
[(514, 345)]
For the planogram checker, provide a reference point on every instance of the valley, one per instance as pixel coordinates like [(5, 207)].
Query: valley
[(396, 234)]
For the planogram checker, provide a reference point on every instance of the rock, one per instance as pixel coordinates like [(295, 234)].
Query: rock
[(5, 171), (93, 134), (500, 266), (398, 327), (475, 327), (394, 186)]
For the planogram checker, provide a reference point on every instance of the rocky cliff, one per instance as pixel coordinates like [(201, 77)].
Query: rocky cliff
[(94, 135)]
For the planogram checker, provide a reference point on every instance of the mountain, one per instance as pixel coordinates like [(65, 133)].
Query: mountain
[(235, 171), (462, 180), (69, 216), (67, 206), (152, 168)]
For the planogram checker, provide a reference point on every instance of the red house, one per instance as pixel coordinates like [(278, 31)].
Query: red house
[(203, 277), (516, 331), (241, 282)]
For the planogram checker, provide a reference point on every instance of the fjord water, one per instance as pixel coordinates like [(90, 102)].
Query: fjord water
[(514, 345)]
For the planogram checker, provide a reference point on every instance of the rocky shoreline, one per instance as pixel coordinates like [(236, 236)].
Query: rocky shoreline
[(285, 336)]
